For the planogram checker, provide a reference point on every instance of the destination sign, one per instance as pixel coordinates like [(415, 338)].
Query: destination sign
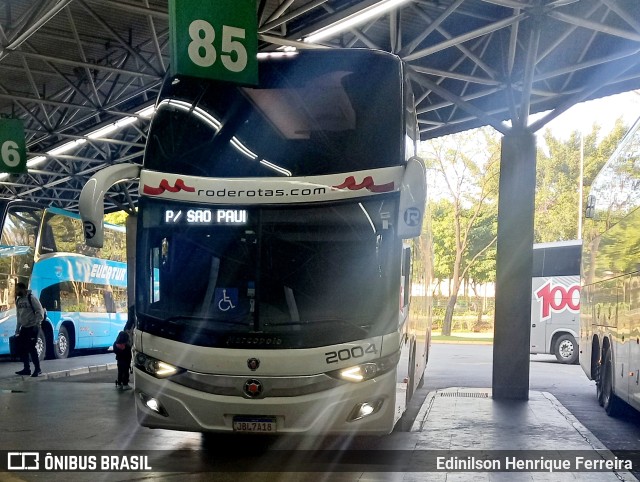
[(205, 216)]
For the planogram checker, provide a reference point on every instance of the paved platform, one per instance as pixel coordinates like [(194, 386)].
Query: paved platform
[(75, 365), (469, 423), (459, 434)]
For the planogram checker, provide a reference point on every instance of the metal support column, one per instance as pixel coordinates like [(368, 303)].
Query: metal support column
[(513, 266)]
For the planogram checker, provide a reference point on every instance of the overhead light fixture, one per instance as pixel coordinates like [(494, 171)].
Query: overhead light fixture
[(286, 51), (36, 160), (66, 147), (354, 19)]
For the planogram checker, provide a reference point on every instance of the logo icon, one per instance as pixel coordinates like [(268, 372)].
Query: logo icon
[(367, 183), (89, 230), (412, 217), (252, 388), (23, 461), (179, 185), (253, 364), (557, 298), (226, 298)]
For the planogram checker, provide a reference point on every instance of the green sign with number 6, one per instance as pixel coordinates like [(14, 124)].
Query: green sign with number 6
[(13, 151), (215, 40)]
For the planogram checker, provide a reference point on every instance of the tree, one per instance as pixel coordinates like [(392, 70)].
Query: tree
[(466, 186)]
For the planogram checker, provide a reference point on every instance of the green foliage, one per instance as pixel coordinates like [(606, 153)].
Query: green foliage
[(119, 218), (464, 203), (464, 190), (463, 185)]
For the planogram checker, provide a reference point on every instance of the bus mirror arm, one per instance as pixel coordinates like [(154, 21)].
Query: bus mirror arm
[(91, 204)]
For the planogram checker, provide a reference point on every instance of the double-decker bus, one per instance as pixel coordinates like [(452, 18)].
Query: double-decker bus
[(83, 289), (610, 300), (278, 241), (555, 299)]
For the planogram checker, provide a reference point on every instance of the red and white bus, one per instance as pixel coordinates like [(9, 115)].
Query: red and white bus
[(280, 230), (555, 299)]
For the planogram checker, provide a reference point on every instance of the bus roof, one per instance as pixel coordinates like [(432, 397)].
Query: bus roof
[(557, 244)]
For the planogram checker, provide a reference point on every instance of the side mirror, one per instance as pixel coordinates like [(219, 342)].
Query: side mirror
[(91, 203), (590, 211), (413, 196)]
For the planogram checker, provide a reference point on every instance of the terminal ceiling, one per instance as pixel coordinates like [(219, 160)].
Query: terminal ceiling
[(71, 67)]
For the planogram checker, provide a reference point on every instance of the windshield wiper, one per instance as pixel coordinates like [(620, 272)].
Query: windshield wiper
[(338, 321), (184, 320)]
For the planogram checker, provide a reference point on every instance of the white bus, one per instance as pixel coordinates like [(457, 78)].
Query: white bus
[(555, 299), (610, 303), (278, 238)]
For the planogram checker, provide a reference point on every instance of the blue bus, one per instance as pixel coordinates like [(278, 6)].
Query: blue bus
[(83, 289)]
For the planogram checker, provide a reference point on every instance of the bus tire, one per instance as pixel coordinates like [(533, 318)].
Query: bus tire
[(41, 345), (597, 376), (566, 349), (62, 346), (412, 375), (611, 403)]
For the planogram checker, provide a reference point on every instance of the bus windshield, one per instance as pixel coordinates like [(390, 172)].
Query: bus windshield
[(17, 249), (291, 277), (305, 118)]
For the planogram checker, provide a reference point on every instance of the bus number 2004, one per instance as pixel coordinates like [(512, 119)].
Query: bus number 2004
[(349, 353)]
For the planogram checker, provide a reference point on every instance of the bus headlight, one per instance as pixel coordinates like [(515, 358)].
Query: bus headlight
[(155, 367), (368, 370)]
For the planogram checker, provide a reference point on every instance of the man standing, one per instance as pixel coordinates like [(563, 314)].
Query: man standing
[(30, 314)]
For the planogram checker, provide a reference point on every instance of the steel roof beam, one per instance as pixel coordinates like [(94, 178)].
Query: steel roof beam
[(468, 52), (154, 38), (468, 107), (455, 75), (120, 40), (431, 27), (76, 63), (598, 27), (89, 76), (275, 23), (133, 8), (465, 37), (15, 43)]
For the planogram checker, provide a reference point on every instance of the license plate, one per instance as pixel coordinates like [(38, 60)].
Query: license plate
[(254, 424)]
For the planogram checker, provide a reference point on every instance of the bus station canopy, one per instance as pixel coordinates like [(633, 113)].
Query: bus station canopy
[(80, 73)]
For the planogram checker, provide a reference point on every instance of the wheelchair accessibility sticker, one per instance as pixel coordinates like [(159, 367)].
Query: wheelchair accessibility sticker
[(226, 299)]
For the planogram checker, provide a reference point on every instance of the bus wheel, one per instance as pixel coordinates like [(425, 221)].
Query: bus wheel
[(611, 402), (566, 350), (41, 345), (63, 346)]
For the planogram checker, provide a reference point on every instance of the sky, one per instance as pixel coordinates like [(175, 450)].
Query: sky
[(604, 112)]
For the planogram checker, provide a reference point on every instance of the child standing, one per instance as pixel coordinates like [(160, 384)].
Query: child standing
[(122, 349)]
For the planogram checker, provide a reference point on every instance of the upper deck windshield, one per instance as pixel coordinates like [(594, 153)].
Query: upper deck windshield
[(306, 117), (268, 277)]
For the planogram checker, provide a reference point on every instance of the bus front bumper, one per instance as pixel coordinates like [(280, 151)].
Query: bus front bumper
[(161, 403)]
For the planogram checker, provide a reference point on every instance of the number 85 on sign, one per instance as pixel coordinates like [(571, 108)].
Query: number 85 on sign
[(214, 40), (13, 152)]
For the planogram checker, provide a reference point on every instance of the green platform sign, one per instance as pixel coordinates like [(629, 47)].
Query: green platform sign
[(13, 151), (217, 39)]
